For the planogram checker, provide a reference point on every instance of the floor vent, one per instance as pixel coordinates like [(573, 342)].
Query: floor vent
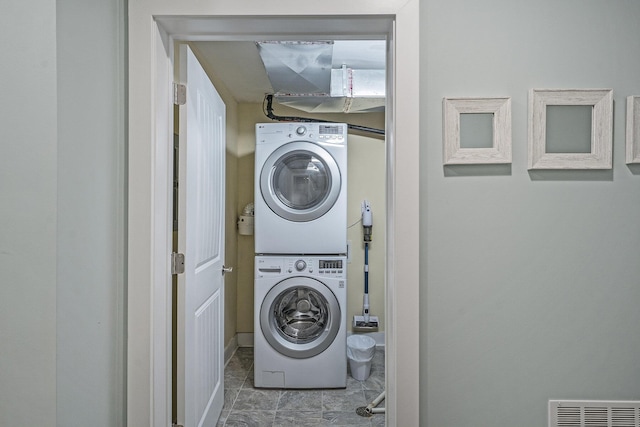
[(594, 413)]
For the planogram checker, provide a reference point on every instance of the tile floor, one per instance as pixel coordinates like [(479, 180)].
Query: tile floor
[(245, 405)]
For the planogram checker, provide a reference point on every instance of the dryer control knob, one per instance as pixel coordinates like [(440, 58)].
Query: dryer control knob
[(301, 130), (300, 265)]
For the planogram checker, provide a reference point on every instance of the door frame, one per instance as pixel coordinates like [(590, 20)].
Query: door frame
[(152, 31)]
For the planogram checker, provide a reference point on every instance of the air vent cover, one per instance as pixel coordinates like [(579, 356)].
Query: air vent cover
[(594, 413)]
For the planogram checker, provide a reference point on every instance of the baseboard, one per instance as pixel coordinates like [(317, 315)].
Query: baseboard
[(230, 348), (245, 339), (241, 339)]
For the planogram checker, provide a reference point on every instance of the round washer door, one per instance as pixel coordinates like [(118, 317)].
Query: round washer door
[(300, 181), (300, 317)]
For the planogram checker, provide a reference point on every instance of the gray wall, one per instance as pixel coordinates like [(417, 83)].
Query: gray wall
[(28, 197), (530, 281), (62, 189), (91, 213)]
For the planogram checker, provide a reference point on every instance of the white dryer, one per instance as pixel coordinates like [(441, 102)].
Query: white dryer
[(300, 338), (301, 188)]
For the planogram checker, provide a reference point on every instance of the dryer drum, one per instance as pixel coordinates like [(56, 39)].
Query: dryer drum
[(301, 181)]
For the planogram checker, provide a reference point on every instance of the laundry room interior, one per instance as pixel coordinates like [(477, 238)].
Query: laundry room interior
[(366, 180), (239, 76)]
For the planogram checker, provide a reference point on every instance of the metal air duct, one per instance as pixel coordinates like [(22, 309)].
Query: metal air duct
[(304, 77)]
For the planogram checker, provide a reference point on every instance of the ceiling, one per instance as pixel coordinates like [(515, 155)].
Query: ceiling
[(239, 66)]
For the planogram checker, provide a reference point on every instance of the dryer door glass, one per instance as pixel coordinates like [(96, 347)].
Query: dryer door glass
[(300, 317), (300, 181)]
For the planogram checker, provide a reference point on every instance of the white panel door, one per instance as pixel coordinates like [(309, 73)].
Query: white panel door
[(200, 340)]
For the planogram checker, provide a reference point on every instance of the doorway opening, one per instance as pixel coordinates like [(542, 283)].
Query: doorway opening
[(366, 176), (176, 28)]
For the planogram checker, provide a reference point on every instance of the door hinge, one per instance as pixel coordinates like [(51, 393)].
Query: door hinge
[(179, 94), (177, 263)]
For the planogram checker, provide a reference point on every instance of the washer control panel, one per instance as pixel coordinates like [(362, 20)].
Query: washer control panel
[(332, 267), (301, 266), (319, 267)]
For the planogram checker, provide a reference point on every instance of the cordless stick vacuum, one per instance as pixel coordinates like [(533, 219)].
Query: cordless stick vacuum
[(366, 323)]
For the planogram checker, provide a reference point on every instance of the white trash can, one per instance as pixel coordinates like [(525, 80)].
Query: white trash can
[(360, 350)]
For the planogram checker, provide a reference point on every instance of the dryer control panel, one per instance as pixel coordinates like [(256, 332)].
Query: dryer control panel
[(333, 133)]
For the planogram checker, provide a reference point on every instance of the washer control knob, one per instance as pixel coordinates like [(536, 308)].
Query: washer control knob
[(301, 130), (300, 265)]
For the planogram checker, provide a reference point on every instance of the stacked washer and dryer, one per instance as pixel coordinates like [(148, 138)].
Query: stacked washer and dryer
[(300, 290)]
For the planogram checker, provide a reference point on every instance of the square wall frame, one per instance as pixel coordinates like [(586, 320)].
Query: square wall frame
[(498, 153), (633, 129), (600, 156)]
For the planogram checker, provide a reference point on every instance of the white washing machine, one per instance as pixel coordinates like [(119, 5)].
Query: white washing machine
[(301, 188), (300, 329)]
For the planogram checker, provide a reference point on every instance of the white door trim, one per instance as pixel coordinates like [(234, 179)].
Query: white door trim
[(150, 154)]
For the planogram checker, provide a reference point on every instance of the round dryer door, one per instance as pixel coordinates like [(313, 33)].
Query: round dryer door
[(300, 181), (300, 317)]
